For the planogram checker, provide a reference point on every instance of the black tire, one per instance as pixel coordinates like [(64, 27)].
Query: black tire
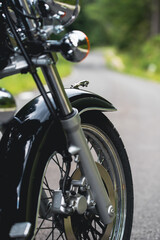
[(108, 151)]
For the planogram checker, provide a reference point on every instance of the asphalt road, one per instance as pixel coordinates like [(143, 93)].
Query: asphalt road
[(138, 122)]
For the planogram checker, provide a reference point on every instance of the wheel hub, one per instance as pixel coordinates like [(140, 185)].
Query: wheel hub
[(78, 224)]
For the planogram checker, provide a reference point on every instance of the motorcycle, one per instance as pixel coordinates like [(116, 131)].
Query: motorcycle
[(64, 171)]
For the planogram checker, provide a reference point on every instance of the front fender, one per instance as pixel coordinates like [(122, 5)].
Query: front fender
[(86, 101), (82, 100), (32, 127)]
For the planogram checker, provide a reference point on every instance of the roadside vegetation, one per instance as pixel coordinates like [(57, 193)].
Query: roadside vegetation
[(130, 30), (143, 61)]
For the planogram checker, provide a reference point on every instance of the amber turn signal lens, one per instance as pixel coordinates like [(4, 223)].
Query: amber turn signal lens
[(75, 46)]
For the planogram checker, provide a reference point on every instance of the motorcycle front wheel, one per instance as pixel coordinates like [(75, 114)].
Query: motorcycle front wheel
[(112, 162)]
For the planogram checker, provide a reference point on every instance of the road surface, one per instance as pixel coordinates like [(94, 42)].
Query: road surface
[(138, 122)]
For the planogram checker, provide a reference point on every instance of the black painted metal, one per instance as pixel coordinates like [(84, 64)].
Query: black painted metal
[(30, 139)]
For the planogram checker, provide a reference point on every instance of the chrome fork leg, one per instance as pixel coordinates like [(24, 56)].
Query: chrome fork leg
[(78, 145)]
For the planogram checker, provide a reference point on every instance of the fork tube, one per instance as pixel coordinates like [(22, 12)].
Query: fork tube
[(71, 124), (55, 85), (25, 7)]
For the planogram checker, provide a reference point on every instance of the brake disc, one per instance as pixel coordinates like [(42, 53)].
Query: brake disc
[(68, 226)]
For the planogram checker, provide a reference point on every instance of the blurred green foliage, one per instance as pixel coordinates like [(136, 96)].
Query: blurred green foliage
[(144, 62), (130, 27), (151, 54), (123, 23)]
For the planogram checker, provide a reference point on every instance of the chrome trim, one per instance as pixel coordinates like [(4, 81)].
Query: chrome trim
[(7, 106), (19, 64), (97, 109), (20, 230), (55, 85)]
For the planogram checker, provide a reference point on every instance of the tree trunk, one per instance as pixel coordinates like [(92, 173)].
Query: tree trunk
[(155, 17)]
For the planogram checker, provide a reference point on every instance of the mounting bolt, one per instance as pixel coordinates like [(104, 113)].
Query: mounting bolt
[(111, 211), (49, 61), (92, 203)]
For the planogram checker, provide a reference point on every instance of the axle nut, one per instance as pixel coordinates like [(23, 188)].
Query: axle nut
[(111, 211)]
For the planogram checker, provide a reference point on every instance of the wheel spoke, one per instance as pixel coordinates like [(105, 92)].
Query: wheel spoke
[(100, 157), (49, 220), (58, 164), (47, 185), (101, 225), (52, 227), (93, 230), (45, 228), (50, 234), (85, 234), (93, 234), (39, 227), (60, 235)]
